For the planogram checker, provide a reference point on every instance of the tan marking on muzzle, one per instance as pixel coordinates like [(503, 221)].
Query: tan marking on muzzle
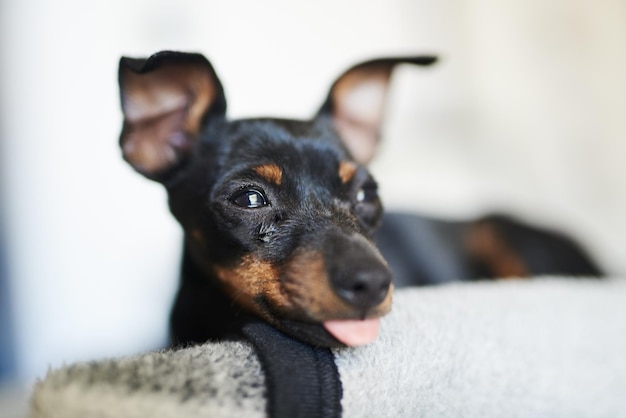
[(248, 280), (309, 285), (299, 291)]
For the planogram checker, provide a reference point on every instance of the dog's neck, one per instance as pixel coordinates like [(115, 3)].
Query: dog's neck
[(203, 311)]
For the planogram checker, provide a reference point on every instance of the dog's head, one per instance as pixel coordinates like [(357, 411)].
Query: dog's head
[(279, 212)]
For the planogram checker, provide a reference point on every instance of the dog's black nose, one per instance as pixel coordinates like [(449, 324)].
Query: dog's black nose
[(357, 272), (363, 288)]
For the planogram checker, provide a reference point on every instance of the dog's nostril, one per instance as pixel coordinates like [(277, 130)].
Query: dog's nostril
[(360, 287)]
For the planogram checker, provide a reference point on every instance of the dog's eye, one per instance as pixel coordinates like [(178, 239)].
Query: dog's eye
[(250, 199), (367, 193)]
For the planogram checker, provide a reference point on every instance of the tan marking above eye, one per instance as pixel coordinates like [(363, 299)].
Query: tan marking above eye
[(347, 170), (270, 172)]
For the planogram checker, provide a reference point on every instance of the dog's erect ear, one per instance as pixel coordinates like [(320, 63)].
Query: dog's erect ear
[(166, 99), (356, 103)]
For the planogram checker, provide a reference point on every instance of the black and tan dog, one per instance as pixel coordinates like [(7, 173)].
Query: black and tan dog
[(279, 215)]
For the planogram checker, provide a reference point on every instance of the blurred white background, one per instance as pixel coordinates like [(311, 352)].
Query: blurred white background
[(526, 114)]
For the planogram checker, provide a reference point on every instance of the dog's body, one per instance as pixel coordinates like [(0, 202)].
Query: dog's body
[(279, 215), (426, 251)]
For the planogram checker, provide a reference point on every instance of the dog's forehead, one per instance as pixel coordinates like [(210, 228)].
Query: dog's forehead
[(290, 144)]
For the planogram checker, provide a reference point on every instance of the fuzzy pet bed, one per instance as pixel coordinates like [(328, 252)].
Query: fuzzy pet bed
[(540, 348)]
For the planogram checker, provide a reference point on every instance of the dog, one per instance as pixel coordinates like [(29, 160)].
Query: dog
[(279, 216)]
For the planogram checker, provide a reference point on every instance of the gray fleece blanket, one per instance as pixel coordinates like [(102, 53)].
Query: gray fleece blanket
[(540, 348)]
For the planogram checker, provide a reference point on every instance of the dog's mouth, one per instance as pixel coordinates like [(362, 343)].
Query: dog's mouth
[(340, 330), (334, 331)]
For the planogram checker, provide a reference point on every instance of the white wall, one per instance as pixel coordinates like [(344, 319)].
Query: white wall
[(534, 123), (525, 113)]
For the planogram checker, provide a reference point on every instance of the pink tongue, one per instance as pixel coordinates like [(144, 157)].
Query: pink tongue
[(354, 332)]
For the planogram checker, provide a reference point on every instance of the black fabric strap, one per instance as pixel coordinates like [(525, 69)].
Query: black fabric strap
[(302, 381)]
